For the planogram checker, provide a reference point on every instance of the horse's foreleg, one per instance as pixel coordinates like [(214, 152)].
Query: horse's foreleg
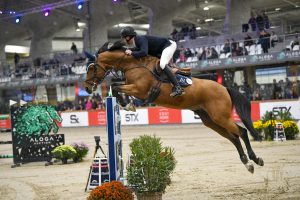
[(207, 121), (129, 89)]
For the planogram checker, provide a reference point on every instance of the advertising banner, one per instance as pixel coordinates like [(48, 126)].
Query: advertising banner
[(134, 118), (189, 116), (97, 118), (74, 119), (276, 107), (164, 116)]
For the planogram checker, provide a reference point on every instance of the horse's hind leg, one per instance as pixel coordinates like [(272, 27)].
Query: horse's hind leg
[(251, 154), (207, 121)]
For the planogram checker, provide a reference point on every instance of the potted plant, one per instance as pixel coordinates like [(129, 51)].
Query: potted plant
[(150, 167), (63, 153), (114, 190), (81, 151), (291, 129)]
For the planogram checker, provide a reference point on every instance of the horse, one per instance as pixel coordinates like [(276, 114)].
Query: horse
[(206, 98)]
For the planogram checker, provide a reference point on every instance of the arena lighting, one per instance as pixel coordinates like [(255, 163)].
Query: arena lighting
[(0, 12), (79, 4), (277, 9), (209, 20), (18, 19), (46, 12), (198, 28), (206, 8)]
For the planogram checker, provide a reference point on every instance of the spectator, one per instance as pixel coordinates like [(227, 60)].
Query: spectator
[(89, 105), (288, 85), (260, 22), (252, 22), (182, 57), (192, 32), (17, 59), (266, 20), (226, 48), (203, 55), (245, 27), (74, 48), (264, 40), (174, 34), (214, 53), (248, 40), (276, 90), (234, 47), (273, 38), (295, 42), (247, 90), (187, 53)]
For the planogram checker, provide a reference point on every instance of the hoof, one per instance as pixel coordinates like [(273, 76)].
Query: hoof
[(130, 107), (250, 168), (260, 161)]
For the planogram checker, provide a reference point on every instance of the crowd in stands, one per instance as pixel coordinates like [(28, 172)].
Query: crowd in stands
[(82, 103), (233, 48), (278, 90)]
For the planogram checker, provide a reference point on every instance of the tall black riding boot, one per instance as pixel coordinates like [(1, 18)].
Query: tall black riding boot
[(176, 90)]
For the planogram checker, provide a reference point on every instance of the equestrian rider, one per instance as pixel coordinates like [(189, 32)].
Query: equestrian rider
[(159, 47)]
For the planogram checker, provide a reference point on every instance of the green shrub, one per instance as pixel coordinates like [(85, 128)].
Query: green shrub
[(151, 165), (64, 152)]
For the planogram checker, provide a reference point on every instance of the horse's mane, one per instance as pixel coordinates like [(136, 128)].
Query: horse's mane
[(109, 46)]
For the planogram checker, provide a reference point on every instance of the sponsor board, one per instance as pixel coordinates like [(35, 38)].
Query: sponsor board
[(134, 118), (164, 116), (97, 118), (255, 113), (74, 119), (189, 116), (5, 124), (276, 107)]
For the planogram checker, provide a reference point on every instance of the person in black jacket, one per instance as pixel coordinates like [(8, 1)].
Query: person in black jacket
[(159, 47)]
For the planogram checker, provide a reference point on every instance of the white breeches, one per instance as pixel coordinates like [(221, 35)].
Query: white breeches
[(167, 54)]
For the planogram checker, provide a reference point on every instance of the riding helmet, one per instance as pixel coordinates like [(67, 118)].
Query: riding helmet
[(128, 31)]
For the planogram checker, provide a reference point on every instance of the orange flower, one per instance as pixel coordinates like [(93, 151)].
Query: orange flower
[(114, 190)]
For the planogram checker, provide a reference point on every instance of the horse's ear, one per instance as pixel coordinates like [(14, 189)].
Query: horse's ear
[(89, 56)]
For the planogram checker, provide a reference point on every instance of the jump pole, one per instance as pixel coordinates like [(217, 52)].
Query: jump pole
[(113, 128)]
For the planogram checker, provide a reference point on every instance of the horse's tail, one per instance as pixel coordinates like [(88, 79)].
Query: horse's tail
[(243, 109)]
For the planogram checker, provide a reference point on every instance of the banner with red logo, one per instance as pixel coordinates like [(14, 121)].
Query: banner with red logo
[(164, 116), (97, 118)]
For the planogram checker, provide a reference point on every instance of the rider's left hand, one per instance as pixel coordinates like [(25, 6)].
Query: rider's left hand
[(128, 52)]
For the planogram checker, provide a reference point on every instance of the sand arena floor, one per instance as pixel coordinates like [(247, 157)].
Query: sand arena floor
[(208, 167)]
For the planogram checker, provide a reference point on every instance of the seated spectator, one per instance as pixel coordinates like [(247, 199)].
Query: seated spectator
[(248, 40), (234, 47), (203, 55), (182, 57), (187, 53), (273, 38), (89, 105), (226, 48), (295, 42), (252, 22), (214, 53), (174, 34)]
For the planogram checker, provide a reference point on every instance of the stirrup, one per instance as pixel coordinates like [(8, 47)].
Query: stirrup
[(177, 91)]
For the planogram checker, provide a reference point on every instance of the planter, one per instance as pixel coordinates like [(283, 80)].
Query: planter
[(149, 196)]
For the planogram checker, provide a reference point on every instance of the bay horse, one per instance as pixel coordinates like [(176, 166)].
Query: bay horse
[(208, 99)]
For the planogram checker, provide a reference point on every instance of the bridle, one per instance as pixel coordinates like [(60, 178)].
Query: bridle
[(97, 80)]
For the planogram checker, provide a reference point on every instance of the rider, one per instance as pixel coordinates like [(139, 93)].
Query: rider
[(159, 47)]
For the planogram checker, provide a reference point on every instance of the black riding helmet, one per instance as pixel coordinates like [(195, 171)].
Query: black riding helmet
[(128, 31)]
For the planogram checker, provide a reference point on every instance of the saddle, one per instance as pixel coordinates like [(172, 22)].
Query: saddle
[(183, 75)]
